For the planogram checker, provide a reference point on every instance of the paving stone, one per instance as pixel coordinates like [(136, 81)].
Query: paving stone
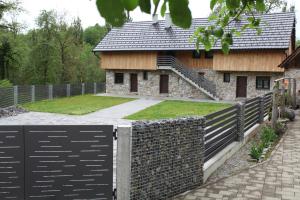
[(277, 179)]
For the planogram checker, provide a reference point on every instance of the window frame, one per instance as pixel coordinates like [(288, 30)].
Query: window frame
[(226, 77), (119, 78), (262, 80)]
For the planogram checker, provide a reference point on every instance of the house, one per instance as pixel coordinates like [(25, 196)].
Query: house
[(291, 66), (156, 58)]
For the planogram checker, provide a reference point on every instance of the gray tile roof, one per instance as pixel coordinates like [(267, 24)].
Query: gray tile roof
[(276, 33)]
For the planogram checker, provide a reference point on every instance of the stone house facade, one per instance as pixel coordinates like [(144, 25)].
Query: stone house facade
[(151, 59)]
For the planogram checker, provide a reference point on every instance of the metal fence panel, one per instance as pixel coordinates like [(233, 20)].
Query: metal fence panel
[(59, 90), (6, 97), (24, 94), (76, 89), (220, 131), (41, 92), (89, 88), (252, 113), (69, 162), (11, 162), (101, 88)]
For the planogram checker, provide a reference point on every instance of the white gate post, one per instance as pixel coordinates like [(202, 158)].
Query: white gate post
[(124, 162)]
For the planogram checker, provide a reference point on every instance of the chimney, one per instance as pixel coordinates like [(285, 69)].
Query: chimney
[(155, 19), (168, 21)]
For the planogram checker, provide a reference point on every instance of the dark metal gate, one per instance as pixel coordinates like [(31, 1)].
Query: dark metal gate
[(56, 162)]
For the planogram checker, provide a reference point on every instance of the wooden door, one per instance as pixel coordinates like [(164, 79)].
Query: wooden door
[(241, 86), (133, 83), (164, 84)]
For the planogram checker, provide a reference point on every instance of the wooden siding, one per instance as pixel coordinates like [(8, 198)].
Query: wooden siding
[(186, 57), (129, 60), (256, 61)]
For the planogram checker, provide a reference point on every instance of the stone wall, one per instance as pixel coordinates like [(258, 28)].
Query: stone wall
[(294, 73), (166, 158), (227, 91), (178, 87)]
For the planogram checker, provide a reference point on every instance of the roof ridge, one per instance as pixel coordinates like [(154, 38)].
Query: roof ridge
[(206, 18)]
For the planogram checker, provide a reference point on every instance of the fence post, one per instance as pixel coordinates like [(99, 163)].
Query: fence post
[(50, 92), (124, 162), (261, 109), (83, 88), (68, 90), (95, 88), (294, 93), (15, 95), (33, 93), (275, 105), (240, 121)]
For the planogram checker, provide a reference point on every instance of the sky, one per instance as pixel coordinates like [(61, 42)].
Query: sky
[(88, 13)]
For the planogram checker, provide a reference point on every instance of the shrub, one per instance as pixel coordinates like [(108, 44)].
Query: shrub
[(256, 151), (280, 128), (5, 83), (268, 136)]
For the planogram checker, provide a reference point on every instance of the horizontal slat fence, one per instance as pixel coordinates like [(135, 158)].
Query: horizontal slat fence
[(30, 93), (252, 111), (267, 103), (220, 130), (229, 125)]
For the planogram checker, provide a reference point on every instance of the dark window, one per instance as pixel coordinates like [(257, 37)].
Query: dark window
[(119, 78), (196, 54), (209, 55), (226, 78), (145, 75), (263, 82)]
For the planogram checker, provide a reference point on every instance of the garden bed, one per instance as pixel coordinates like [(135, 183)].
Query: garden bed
[(242, 160)]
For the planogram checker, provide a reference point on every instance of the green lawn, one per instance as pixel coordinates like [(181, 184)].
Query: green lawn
[(77, 105), (175, 109)]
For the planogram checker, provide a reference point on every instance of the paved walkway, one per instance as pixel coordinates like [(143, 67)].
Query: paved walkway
[(113, 115), (277, 179)]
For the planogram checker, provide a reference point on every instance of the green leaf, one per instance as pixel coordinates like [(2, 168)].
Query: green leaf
[(219, 32), (233, 4), (163, 8), (213, 3), (260, 5), (180, 13), (145, 6), (113, 11), (225, 47), (130, 4)]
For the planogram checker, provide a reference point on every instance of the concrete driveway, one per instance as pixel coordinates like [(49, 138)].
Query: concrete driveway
[(109, 116)]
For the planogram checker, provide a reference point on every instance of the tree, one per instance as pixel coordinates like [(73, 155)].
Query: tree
[(8, 6), (93, 34), (7, 58), (229, 11)]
